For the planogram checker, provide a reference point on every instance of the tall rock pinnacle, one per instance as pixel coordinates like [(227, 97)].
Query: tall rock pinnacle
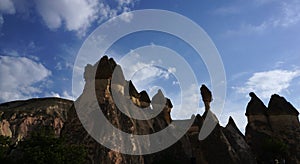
[(206, 96)]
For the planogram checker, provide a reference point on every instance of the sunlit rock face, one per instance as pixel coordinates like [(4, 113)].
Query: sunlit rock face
[(278, 122), (19, 118)]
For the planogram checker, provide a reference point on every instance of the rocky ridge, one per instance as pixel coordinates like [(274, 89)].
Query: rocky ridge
[(273, 131), (20, 118), (268, 128)]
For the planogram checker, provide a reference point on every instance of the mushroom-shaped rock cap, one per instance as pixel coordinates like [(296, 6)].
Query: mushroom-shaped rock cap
[(255, 106), (279, 106), (205, 93)]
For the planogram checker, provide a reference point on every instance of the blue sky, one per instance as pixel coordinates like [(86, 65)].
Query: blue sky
[(258, 42)]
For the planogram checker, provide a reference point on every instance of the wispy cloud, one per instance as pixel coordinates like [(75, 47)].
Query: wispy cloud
[(19, 76), (187, 103), (286, 15), (248, 29), (289, 16), (227, 10), (269, 82)]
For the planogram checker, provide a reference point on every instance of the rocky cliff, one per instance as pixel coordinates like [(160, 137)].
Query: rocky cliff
[(272, 132), (20, 118), (224, 144)]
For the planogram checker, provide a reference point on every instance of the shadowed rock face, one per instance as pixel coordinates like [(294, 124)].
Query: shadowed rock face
[(189, 149), (255, 106), (279, 106), (206, 96), (224, 145), (279, 122)]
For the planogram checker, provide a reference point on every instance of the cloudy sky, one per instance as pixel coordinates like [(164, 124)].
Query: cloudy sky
[(258, 42)]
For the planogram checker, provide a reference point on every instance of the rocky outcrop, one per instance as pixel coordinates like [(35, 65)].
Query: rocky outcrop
[(111, 87), (238, 143), (19, 118), (206, 96), (273, 132)]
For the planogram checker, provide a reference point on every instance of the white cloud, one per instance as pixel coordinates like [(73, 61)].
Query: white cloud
[(143, 73), (125, 2), (7, 7), (65, 95), (126, 15), (75, 15), (106, 12), (78, 15), (187, 103), (267, 83), (18, 77), (52, 94)]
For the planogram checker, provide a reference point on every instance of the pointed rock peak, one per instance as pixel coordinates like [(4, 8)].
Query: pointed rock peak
[(159, 98), (112, 62), (169, 103), (232, 123), (280, 106), (132, 90), (144, 97), (198, 120), (255, 106), (118, 76), (105, 68), (205, 93), (159, 92)]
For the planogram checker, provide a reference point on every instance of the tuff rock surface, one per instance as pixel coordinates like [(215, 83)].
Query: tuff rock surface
[(20, 118), (105, 86)]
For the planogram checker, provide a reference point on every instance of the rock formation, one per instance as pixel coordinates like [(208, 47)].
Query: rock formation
[(217, 147), (272, 132), (206, 96), (19, 118)]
